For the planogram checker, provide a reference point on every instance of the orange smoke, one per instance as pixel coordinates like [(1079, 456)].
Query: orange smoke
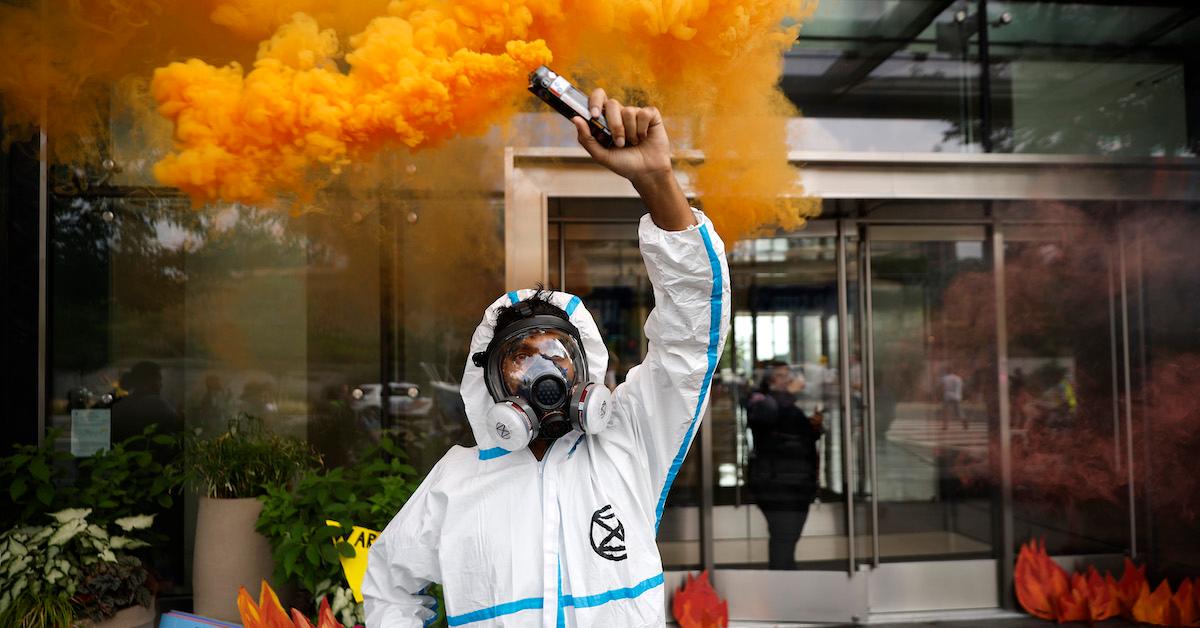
[(246, 138), (333, 83)]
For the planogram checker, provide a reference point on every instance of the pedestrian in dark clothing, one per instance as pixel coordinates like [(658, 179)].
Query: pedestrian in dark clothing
[(785, 463)]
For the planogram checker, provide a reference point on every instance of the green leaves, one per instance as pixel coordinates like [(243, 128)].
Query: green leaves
[(368, 494), (124, 481), (45, 494), (17, 489), (39, 469)]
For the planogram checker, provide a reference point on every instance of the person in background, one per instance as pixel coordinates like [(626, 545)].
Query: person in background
[(785, 462), (952, 395), (144, 406)]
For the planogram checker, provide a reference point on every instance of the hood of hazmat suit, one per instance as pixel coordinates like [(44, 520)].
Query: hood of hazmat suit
[(568, 540)]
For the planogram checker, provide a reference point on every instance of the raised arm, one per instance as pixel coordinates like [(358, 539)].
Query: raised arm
[(642, 155), (657, 411)]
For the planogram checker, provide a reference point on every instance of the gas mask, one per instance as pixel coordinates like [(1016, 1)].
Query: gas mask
[(536, 372)]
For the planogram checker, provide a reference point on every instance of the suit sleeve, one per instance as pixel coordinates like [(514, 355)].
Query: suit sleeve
[(404, 560), (659, 407)]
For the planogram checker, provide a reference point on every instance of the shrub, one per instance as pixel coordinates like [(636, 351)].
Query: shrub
[(52, 573), (293, 519), (121, 482), (244, 460)]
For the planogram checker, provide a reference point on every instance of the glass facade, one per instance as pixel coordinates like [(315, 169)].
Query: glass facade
[(985, 369), (1105, 78), (336, 326), (925, 421)]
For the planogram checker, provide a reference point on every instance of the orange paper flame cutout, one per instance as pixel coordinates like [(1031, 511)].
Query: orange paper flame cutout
[(697, 605), (1046, 591), (269, 613)]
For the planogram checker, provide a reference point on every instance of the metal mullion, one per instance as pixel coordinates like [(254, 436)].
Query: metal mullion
[(844, 382), (868, 364), (707, 503), (1128, 390), (1112, 339), (43, 299), (1007, 540), (562, 257), (1144, 371), (955, 222)]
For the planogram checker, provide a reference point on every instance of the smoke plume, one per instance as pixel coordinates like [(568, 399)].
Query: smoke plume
[(276, 99)]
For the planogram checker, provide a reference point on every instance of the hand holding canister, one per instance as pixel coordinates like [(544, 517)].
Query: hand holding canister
[(566, 99)]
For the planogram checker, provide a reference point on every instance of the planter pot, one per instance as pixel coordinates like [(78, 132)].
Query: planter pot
[(228, 554), (132, 617)]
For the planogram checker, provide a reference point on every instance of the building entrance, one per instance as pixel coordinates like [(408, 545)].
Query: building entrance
[(948, 345)]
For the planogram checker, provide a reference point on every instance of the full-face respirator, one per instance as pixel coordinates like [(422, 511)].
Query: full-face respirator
[(536, 371)]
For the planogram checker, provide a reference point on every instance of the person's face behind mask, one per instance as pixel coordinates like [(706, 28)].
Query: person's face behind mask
[(537, 353)]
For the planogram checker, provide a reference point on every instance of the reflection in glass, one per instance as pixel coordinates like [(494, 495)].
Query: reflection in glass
[(781, 428), (784, 464), (1090, 78), (884, 75), (934, 399), (1068, 487)]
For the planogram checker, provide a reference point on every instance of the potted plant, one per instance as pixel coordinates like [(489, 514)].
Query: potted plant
[(127, 479), (231, 471), (114, 487), (72, 572), (293, 518)]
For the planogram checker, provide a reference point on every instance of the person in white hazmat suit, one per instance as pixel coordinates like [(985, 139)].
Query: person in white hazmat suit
[(551, 520)]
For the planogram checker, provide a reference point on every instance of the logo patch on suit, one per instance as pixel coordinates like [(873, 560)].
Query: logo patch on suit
[(608, 534)]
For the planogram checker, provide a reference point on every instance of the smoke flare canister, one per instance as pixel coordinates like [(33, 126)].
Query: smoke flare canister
[(566, 99)]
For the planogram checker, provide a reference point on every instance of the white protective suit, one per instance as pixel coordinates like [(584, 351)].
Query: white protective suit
[(568, 540)]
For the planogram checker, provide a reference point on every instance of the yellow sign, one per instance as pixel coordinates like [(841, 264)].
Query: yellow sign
[(356, 567)]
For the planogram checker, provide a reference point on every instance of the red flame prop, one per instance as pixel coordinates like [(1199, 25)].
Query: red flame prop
[(1046, 591), (697, 605), (268, 613)]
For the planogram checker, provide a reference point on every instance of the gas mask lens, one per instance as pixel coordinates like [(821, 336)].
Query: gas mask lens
[(538, 365)]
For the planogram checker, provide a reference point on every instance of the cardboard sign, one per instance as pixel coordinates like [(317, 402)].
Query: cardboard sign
[(355, 568)]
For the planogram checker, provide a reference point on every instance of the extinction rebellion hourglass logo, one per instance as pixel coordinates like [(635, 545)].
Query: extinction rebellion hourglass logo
[(608, 534)]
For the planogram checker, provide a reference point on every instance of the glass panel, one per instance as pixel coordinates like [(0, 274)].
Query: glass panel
[(779, 493), (190, 316), (1068, 462), (1161, 269), (884, 75), (935, 405), (1090, 78), (444, 276)]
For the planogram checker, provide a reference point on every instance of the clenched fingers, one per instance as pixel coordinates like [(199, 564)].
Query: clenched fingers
[(616, 124), (596, 102)]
